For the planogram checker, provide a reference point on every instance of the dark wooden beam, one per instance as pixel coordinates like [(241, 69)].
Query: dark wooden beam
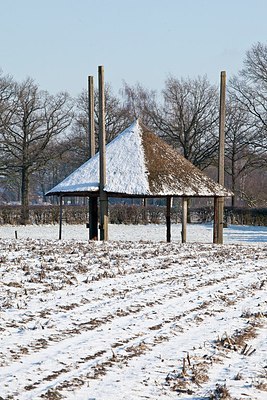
[(60, 217), (168, 219), (184, 218), (102, 158), (93, 207), (219, 202)]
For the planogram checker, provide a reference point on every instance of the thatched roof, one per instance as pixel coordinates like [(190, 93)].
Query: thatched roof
[(140, 164)]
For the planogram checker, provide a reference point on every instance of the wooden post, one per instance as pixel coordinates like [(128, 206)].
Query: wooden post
[(215, 221), (145, 209), (184, 219), (168, 218), (102, 158), (221, 157), (93, 209), (60, 218), (91, 116)]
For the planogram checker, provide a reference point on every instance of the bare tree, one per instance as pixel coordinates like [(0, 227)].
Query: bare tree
[(68, 157), (252, 189), (188, 118), (255, 64), (250, 91), (30, 121), (241, 156), (6, 91), (139, 102), (116, 120)]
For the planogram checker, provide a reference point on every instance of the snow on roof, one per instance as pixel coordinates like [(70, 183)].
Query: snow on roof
[(139, 163)]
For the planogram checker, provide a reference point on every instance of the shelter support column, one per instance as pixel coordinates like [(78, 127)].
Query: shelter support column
[(215, 221), (220, 200), (168, 218), (93, 218), (103, 197), (184, 219), (145, 209), (93, 208), (218, 220), (103, 226), (60, 218)]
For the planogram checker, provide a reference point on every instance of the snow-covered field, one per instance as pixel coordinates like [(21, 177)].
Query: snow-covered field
[(135, 317), (196, 232)]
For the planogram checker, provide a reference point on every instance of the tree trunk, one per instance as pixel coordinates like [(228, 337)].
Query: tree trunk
[(25, 181)]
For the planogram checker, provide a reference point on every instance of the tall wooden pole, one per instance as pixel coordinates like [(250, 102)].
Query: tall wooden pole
[(219, 202), (184, 219), (60, 218), (93, 211), (102, 158), (215, 221), (145, 208), (222, 128), (91, 116), (168, 218)]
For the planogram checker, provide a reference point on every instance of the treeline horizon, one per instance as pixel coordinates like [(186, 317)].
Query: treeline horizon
[(44, 137)]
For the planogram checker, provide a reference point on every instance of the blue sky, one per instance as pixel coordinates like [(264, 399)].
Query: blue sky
[(59, 43)]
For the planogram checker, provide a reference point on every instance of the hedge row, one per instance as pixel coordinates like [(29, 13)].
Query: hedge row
[(246, 216), (72, 214), (128, 214)]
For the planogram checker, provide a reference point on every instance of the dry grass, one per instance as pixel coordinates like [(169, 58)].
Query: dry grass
[(220, 393), (179, 383), (200, 373), (238, 341), (261, 386), (262, 380), (192, 375), (52, 395)]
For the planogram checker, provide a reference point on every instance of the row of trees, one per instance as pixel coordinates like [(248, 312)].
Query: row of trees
[(43, 138)]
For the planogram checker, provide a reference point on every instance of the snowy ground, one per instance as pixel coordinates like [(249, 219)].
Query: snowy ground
[(133, 319), (195, 232)]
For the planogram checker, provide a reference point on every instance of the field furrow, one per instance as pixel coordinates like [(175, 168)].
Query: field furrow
[(73, 316)]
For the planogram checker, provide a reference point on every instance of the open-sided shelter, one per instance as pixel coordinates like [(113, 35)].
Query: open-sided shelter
[(140, 164)]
